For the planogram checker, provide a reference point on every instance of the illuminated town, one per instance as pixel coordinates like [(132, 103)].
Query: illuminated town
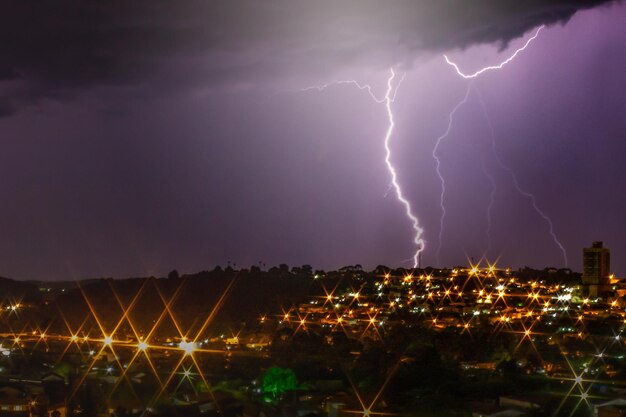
[(329, 208), (477, 340)]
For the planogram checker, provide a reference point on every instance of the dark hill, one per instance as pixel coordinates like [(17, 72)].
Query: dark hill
[(194, 298)]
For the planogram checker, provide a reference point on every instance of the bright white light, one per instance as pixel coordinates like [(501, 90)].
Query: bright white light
[(419, 242), (494, 67), (389, 98), (187, 347)]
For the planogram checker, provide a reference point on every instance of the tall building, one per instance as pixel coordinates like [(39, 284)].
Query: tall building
[(596, 269)]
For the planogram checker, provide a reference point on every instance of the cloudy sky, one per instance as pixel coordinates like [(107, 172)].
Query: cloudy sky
[(139, 137)]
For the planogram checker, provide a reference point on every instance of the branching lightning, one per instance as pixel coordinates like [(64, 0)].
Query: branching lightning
[(387, 100), (363, 87), (419, 242), (523, 192), (438, 168), (493, 67)]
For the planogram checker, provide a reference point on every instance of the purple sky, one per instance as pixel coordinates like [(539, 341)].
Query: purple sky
[(204, 154)]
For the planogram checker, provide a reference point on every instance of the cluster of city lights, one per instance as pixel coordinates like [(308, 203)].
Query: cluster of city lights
[(478, 295), (362, 309)]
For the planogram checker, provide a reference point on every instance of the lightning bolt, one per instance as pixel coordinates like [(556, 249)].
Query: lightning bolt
[(387, 100), (505, 167), (419, 242), (516, 184), (362, 87), (494, 67), (438, 168)]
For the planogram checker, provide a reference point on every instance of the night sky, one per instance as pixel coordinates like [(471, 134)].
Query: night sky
[(143, 136)]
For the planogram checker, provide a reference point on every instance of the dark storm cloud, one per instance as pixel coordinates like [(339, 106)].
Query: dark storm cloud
[(50, 48)]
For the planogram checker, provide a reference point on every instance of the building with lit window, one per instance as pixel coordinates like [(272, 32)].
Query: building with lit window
[(596, 270)]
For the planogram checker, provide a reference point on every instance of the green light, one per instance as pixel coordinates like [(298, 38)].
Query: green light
[(277, 381)]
